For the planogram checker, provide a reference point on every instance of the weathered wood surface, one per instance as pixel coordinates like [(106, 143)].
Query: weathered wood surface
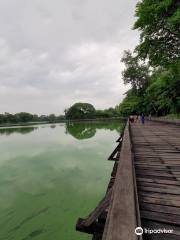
[(161, 120), (156, 147), (122, 216), (116, 153), (144, 189)]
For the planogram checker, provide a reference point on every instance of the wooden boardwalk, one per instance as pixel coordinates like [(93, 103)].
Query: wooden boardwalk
[(156, 148), (144, 189)]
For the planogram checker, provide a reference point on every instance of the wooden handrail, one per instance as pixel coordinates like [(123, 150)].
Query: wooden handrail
[(162, 120), (122, 218)]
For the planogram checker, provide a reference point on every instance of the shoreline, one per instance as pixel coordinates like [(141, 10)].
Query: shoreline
[(62, 121)]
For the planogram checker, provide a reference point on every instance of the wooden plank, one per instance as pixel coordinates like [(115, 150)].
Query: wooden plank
[(160, 181), (156, 177), (159, 185), (161, 201), (156, 225), (161, 217), (103, 204), (95, 227), (160, 208), (121, 220), (160, 190), (119, 139), (160, 195), (155, 173), (157, 165), (113, 156)]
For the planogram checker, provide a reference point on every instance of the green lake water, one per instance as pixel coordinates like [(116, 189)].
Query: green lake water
[(50, 175)]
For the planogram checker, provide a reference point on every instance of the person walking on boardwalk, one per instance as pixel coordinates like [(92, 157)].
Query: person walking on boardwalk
[(150, 116), (131, 118), (142, 118), (137, 118)]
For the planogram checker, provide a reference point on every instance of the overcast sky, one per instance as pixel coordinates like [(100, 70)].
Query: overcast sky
[(55, 53)]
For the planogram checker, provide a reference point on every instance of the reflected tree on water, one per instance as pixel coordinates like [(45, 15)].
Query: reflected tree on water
[(85, 130), (23, 130), (80, 130)]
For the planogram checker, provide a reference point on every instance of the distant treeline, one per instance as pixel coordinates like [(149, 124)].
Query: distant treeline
[(24, 117), (75, 112)]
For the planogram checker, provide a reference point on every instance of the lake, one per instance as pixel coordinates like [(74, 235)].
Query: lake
[(50, 175)]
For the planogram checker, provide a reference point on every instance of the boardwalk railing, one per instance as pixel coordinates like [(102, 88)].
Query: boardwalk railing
[(147, 159), (123, 215), (117, 214), (162, 120)]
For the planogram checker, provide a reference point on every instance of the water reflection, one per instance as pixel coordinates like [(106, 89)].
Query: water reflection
[(80, 130), (56, 178), (53, 126), (85, 130), (21, 130)]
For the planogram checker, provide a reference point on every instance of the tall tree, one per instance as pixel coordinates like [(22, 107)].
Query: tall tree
[(159, 24), (80, 111), (136, 72)]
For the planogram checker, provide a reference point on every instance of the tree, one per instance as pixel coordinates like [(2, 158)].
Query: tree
[(158, 21), (163, 95), (136, 73), (156, 91), (52, 118), (80, 111), (107, 113), (131, 104), (24, 117)]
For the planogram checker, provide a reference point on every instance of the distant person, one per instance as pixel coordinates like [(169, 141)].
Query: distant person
[(137, 118), (131, 119), (150, 116), (142, 118)]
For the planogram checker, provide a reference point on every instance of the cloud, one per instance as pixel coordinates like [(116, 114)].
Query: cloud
[(53, 54)]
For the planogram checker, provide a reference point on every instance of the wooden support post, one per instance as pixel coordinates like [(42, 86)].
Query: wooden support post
[(115, 154), (119, 139), (91, 224)]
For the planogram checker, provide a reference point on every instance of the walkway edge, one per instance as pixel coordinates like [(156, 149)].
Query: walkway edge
[(122, 217)]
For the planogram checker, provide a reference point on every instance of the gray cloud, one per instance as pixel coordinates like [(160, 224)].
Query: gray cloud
[(54, 53)]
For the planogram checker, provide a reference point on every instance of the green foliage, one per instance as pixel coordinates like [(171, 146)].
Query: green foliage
[(16, 118), (87, 111), (23, 117), (52, 118), (84, 130), (160, 97), (158, 21), (22, 130), (131, 104), (163, 94), (80, 111), (157, 93), (81, 130), (136, 73), (107, 113)]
